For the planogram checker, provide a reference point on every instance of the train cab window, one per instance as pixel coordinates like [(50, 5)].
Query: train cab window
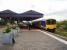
[(51, 21)]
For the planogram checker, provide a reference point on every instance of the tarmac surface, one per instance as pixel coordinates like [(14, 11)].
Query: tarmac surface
[(33, 40)]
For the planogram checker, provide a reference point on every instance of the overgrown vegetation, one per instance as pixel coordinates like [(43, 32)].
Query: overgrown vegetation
[(3, 22), (7, 30), (62, 28)]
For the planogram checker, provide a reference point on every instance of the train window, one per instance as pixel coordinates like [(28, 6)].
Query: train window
[(51, 21)]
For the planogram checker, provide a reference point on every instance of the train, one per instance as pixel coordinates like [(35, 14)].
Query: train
[(48, 25)]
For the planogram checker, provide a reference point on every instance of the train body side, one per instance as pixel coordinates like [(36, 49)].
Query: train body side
[(43, 24)]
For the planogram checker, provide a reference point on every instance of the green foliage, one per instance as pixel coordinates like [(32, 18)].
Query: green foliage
[(3, 22), (7, 30), (62, 28), (64, 23), (61, 32)]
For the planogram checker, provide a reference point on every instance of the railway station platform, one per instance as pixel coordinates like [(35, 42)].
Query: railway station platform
[(34, 40)]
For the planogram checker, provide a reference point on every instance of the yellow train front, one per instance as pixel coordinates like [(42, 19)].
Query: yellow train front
[(50, 25)]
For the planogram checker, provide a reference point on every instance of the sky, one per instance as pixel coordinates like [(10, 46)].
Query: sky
[(56, 9)]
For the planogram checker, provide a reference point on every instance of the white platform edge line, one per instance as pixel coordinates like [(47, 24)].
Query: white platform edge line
[(57, 38)]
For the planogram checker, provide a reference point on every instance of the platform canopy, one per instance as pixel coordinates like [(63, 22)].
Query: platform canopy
[(7, 13), (31, 15), (28, 15)]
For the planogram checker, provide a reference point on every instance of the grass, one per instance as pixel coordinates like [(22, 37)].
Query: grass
[(61, 32)]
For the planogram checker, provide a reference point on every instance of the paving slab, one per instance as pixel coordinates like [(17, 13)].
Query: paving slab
[(34, 40)]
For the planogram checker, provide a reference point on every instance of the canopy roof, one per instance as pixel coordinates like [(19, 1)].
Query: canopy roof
[(28, 15), (31, 13), (7, 13)]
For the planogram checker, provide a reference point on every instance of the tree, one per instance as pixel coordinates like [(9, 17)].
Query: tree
[(62, 24), (3, 22)]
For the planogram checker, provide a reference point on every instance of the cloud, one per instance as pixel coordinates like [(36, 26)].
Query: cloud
[(47, 7)]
